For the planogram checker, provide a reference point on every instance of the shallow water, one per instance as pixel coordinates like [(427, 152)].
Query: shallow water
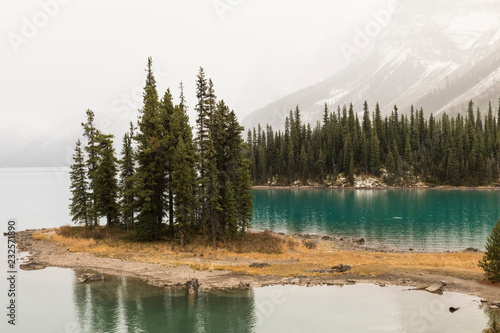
[(52, 300), (414, 218)]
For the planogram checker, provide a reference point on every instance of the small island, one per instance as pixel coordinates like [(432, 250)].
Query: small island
[(260, 259)]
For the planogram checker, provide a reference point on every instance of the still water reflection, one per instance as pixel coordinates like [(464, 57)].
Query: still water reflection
[(52, 300)]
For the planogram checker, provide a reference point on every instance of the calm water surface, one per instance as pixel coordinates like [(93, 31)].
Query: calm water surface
[(417, 218), (52, 300), (421, 219)]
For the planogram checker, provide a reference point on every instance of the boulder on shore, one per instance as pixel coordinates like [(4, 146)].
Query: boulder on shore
[(360, 241), (341, 268), (192, 286), (471, 250), (436, 288), (32, 266)]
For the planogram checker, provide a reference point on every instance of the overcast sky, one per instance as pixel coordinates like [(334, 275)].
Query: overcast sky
[(60, 57)]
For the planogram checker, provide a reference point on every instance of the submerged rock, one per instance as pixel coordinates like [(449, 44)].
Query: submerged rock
[(259, 265), (91, 277), (453, 309)]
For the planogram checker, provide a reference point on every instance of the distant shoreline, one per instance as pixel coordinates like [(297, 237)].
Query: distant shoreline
[(224, 270)]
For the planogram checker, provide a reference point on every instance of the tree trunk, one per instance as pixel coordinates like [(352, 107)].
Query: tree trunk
[(183, 233), (212, 220), (171, 208)]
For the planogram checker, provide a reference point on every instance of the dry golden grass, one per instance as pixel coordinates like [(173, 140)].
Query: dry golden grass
[(289, 256)]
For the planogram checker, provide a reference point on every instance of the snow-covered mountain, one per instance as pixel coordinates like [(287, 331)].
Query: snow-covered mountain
[(431, 54)]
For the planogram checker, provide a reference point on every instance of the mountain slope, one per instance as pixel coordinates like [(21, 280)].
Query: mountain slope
[(434, 55)]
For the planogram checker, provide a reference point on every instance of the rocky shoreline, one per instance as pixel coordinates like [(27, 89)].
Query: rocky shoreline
[(45, 253)]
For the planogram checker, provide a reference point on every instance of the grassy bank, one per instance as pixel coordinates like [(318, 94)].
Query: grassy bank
[(287, 255)]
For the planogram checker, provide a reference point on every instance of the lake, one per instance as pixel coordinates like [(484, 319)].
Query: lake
[(52, 300), (416, 218), (429, 219)]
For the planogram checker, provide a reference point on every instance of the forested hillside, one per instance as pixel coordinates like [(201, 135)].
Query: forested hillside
[(400, 149)]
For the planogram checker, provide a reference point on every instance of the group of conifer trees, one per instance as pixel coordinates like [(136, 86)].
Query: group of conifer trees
[(167, 182), (464, 150)]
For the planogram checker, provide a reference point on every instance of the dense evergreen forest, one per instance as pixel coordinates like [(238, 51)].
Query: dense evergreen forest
[(166, 182), (402, 150)]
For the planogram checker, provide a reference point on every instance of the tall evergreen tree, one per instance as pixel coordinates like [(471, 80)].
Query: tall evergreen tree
[(169, 143), (202, 133), (91, 133), (106, 186), (127, 179), (213, 188), (183, 187), (80, 197), (243, 196), (150, 160)]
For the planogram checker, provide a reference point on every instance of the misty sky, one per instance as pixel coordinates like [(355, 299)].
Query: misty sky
[(92, 54)]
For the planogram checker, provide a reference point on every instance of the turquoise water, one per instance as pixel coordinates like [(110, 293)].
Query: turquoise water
[(121, 304), (52, 300), (415, 218), (418, 218)]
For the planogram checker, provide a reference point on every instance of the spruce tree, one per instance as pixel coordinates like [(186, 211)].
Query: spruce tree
[(183, 181), (183, 188), (168, 144), (491, 259), (202, 133), (91, 133), (243, 196), (213, 189), (80, 197), (350, 173), (127, 179), (391, 168), (106, 186), (151, 162)]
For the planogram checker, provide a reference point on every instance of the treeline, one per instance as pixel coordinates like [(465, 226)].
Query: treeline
[(402, 149), (166, 182)]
